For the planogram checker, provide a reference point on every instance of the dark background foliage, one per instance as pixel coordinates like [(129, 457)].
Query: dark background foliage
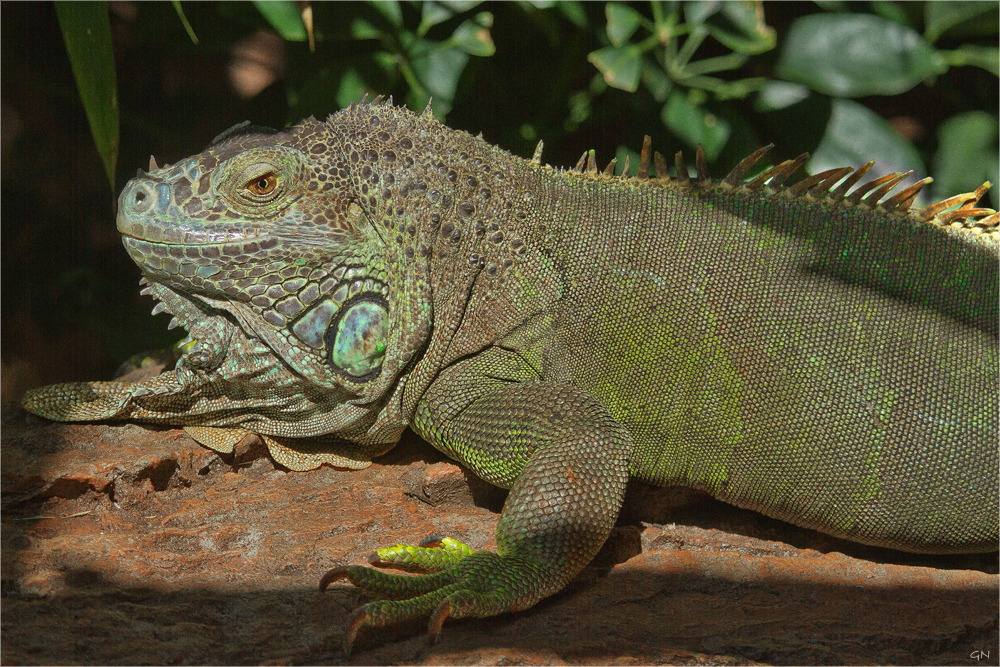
[(912, 84)]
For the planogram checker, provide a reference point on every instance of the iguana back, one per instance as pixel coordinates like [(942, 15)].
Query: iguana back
[(827, 364)]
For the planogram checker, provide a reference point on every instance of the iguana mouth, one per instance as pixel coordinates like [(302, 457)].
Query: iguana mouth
[(148, 211), (203, 238), (159, 234)]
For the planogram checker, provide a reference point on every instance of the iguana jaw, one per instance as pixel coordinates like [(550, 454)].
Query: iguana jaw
[(230, 378)]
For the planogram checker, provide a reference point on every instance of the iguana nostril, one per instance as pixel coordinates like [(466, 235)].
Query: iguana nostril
[(137, 198)]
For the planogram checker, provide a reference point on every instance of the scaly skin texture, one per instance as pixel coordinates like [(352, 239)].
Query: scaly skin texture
[(798, 350)]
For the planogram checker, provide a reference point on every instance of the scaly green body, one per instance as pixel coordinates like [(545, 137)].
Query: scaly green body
[(752, 355), (798, 350)]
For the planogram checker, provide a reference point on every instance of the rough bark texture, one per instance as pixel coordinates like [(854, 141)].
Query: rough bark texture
[(129, 544)]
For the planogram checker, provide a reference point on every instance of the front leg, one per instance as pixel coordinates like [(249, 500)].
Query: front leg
[(565, 459)]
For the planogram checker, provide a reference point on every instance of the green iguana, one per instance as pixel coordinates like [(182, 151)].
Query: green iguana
[(824, 356)]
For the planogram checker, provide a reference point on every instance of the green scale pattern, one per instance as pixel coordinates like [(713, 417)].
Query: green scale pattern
[(799, 350)]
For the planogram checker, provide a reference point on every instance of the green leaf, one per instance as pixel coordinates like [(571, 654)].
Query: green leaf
[(351, 89), (473, 36), (433, 13), (86, 30), (853, 55), (439, 71), (779, 95), (459, 6), (390, 10), (362, 29), (967, 146), (891, 11), (939, 17), (386, 62), (694, 124), (579, 110), (657, 82), (574, 12), (623, 21), (621, 67), (284, 17), (698, 11), (856, 134), (745, 33)]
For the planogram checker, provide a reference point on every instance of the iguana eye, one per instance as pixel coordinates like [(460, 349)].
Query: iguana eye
[(263, 185)]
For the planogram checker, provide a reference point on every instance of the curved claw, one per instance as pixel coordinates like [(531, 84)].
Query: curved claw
[(437, 619), (336, 574), (354, 622), (382, 613)]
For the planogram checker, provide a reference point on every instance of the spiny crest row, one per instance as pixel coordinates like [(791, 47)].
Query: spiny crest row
[(821, 185), (382, 101), (965, 211)]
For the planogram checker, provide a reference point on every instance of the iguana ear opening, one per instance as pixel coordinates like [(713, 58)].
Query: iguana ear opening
[(357, 337)]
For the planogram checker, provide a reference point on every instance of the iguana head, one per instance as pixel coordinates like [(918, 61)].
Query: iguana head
[(264, 225), (285, 256)]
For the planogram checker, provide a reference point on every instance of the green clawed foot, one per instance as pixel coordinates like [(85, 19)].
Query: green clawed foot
[(465, 584)]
